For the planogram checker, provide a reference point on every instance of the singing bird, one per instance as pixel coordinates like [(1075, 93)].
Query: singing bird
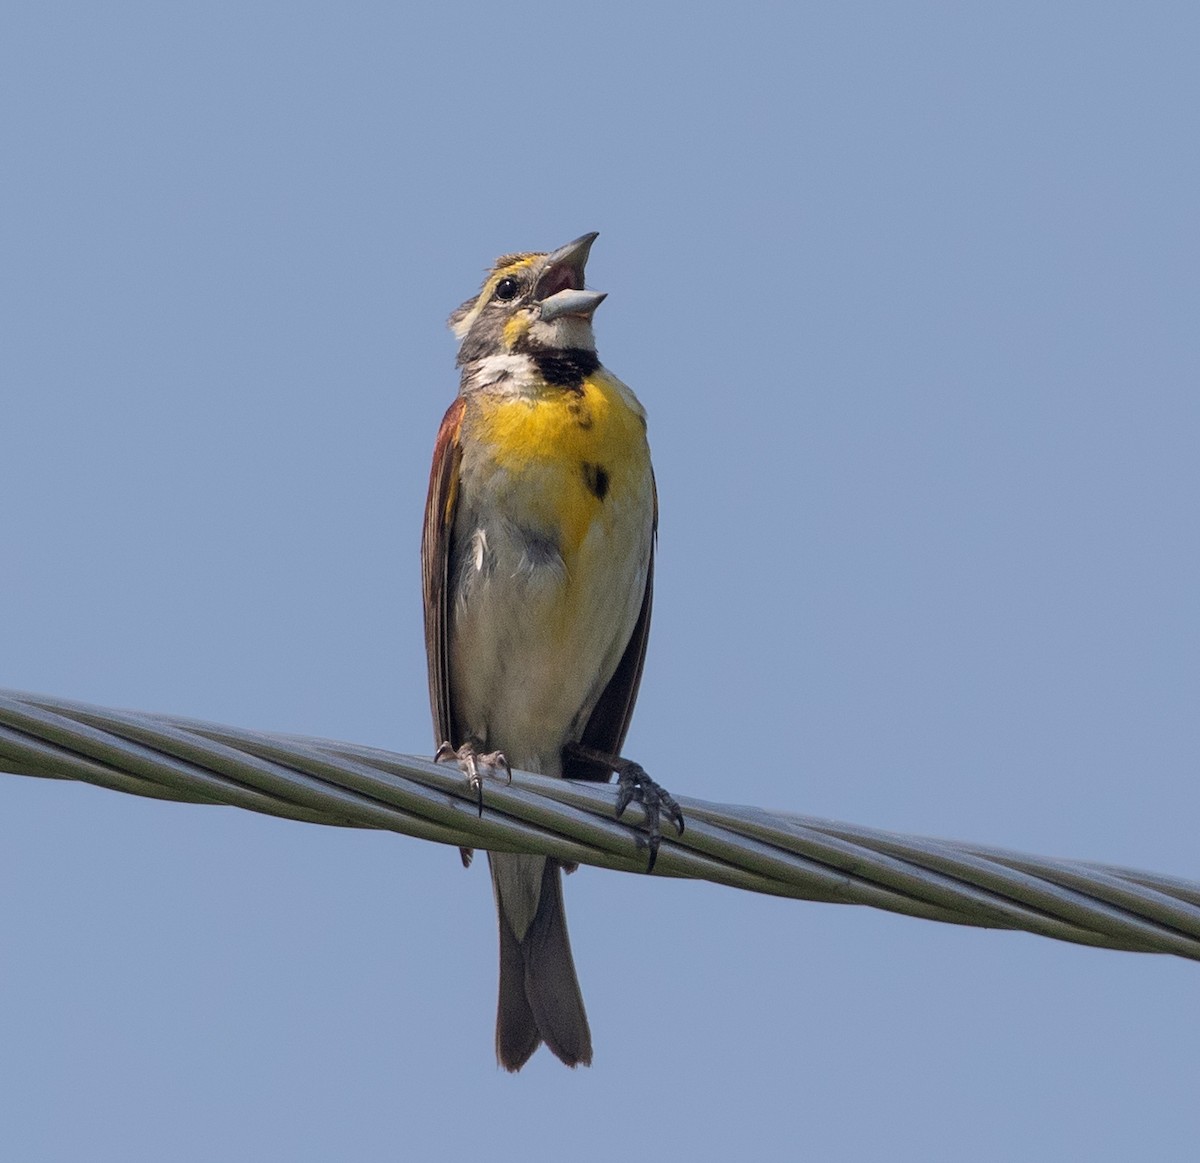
[(537, 563)]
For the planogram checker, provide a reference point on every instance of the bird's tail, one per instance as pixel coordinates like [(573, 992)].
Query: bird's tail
[(540, 998)]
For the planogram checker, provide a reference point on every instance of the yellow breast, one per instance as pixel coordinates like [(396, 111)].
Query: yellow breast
[(562, 459)]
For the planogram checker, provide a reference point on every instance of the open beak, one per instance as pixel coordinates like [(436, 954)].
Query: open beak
[(560, 285)]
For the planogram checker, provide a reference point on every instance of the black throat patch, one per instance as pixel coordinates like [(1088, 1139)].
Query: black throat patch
[(567, 367)]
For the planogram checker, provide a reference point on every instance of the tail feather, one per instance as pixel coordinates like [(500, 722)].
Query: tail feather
[(517, 1034), (540, 999)]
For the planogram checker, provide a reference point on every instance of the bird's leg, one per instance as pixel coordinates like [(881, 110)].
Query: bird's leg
[(633, 784), (474, 764)]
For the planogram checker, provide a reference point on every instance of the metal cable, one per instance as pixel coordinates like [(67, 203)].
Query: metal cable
[(344, 784)]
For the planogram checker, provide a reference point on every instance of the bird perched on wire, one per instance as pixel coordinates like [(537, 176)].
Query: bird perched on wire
[(537, 563)]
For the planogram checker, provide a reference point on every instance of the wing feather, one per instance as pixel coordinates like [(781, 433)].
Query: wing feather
[(440, 509), (609, 722)]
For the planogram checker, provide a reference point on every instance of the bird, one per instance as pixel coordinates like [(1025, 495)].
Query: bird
[(537, 568)]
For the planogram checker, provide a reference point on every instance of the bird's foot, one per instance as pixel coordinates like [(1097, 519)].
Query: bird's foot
[(635, 786), (474, 764)]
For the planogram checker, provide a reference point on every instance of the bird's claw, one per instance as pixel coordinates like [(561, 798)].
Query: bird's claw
[(634, 785), (474, 764)]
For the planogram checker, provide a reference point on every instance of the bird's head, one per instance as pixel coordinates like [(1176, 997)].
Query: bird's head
[(530, 303)]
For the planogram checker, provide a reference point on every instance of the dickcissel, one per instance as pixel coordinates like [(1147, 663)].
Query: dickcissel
[(537, 562)]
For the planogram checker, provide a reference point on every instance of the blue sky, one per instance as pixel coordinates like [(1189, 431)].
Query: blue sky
[(910, 294)]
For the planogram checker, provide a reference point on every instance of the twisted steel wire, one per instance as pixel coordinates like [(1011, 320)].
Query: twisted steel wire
[(348, 785)]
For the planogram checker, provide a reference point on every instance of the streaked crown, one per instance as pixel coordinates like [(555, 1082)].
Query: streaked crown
[(530, 303)]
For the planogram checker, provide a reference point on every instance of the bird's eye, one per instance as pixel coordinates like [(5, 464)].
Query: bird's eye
[(507, 289)]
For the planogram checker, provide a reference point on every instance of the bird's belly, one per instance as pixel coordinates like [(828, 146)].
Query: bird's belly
[(537, 632)]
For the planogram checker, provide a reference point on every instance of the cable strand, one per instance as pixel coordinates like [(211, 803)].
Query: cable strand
[(350, 785)]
